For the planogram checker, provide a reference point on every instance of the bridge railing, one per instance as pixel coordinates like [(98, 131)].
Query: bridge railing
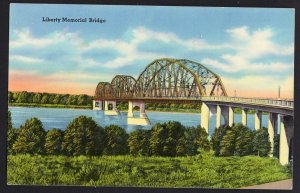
[(256, 101), (264, 101)]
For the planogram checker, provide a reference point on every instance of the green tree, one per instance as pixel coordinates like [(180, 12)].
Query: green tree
[(12, 134), (83, 137), (217, 137), (10, 97), (45, 99), (56, 99), (37, 98), (22, 97), (228, 143), (244, 140), (9, 121), (31, 138), (116, 140), (184, 147), (202, 141), (72, 100), (30, 97), (15, 96), (54, 139), (51, 98), (82, 100), (175, 130), (237, 141), (139, 141), (165, 139), (261, 142), (63, 99)]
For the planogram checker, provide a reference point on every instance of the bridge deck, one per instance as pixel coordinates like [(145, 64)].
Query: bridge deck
[(286, 106)]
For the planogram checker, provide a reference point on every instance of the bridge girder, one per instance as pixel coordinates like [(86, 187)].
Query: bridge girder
[(123, 86), (104, 90), (165, 77), (178, 78)]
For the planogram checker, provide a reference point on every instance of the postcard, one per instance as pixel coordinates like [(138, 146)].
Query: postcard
[(150, 96)]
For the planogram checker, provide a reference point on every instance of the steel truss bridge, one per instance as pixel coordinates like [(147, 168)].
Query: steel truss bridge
[(169, 80)]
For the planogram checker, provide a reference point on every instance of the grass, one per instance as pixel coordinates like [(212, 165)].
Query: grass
[(194, 171)]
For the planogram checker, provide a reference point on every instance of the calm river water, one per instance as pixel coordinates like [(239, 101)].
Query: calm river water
[(60, 118)]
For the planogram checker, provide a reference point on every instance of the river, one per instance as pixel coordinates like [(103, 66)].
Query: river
[(61, 117)]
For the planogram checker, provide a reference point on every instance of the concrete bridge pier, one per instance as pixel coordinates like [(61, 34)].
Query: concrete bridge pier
[(257, 120), (219, 111), (286, 133), (205, 115), (142, 119), (272, 129), (244, 116), (97, 105), (110, 111), (228, 115)]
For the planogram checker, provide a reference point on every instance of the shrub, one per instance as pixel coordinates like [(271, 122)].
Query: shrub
[(217, 137), (116, 140), (261, 142), (12, 136), (53, 143), (83, 137), (31, 138), (139, 142), (236, 141)]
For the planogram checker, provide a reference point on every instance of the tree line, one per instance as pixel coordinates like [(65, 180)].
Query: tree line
[(165, 107), (24, 97), (83, 136), (48, 98)]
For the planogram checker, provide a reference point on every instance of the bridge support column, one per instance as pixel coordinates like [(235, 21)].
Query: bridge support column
[(272, 129), (286, 133), (113, 111), (257, 120), (244, 117), (130, 109), (218, 117), (105, 105), (97, 105), (142, 119), (230, 116), (205, 114)]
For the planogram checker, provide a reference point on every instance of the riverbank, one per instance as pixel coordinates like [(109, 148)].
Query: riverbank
[(204, 171), (49, 105)]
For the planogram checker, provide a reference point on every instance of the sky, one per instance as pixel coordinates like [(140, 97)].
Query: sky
[(251, 49)]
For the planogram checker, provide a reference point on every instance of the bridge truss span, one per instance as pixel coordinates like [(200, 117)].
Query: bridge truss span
[(123, 86), (178, 78)]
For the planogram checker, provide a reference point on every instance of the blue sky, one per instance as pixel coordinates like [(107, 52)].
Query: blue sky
[(252, 49)]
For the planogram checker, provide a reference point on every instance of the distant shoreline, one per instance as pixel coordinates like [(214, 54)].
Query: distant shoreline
[(35, 105)]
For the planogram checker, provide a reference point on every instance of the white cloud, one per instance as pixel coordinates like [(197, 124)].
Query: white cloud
[(248, 49), (25, 59), (241, 52)]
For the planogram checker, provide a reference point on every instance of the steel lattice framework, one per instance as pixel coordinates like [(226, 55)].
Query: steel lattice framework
[(165, 78), (123, 86), (178, 78), (104, 90)]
